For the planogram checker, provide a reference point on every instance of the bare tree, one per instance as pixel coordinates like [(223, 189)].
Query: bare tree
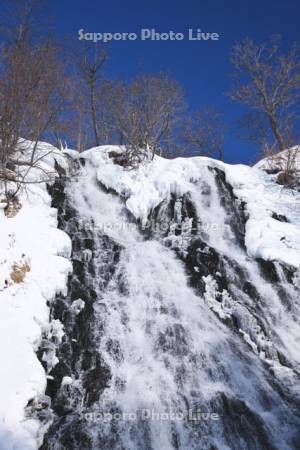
[(253, 126), (268, 81), (80, 125), (90, 64), (30, 100), (73, 124), (144, 113), (21, 20), (203, 133)]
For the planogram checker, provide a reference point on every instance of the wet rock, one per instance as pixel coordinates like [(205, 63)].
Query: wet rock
[(279, 217), (268, 270)]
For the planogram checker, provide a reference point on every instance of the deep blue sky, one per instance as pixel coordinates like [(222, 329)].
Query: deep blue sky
[(202, 67)]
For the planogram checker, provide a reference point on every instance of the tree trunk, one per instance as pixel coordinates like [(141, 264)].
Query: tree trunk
[(276, 132), (93, 112)]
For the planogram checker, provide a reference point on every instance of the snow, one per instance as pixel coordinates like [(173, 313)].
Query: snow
[(266, 237), (280, 160), (30, 238), (154, 181), (78, 305)]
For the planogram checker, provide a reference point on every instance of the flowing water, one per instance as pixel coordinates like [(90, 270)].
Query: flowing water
[(174, 339)]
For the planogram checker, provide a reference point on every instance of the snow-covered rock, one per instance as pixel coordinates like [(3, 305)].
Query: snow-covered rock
[(265, 201), (280, 161)]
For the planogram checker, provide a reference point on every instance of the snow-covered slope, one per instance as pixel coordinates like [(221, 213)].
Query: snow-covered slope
[(280, 161), (33, 268)]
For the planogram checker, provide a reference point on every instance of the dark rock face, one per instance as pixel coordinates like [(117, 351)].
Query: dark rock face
[(78, 354), (234, 209), (279, 217), (208, 262), (86, 381), (268, 270), (244, 428)]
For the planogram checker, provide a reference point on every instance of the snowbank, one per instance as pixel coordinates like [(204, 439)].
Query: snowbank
[(279, 161), (143, 189), (33, 267)]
